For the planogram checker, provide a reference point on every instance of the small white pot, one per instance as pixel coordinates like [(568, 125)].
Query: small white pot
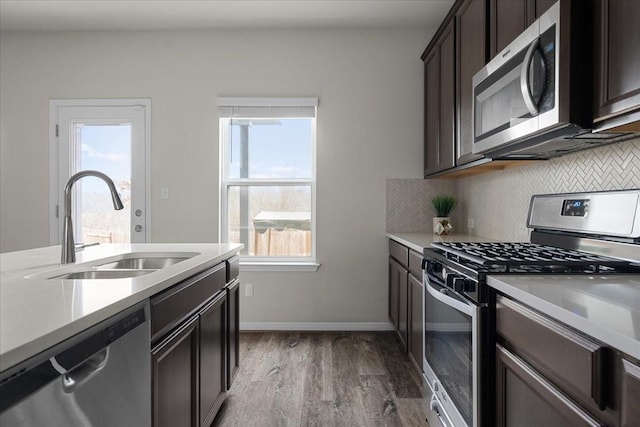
[(442, 225)]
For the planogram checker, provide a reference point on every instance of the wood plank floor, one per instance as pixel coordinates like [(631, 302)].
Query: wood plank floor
[(323, 379)]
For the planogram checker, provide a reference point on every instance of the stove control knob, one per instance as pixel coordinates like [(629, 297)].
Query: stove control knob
[(458, 284), (444, 273)]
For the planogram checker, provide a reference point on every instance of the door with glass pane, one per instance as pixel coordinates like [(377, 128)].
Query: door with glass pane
[(111, 139)]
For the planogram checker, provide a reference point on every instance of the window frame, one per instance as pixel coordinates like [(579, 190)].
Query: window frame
[(270, 263)]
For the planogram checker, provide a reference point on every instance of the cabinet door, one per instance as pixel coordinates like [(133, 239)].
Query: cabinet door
[(175, 378), (415, 321), (431, 112), (618, 59), (447, 141), (508, 18), (233, 331), (213, 339), (440, 104), (394, 283), (540, 7), (470, 30), (630, 411), (526, 399), (398, 299), (403, 308)]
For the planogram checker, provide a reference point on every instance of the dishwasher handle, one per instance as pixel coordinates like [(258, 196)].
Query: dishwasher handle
[(83, 372)]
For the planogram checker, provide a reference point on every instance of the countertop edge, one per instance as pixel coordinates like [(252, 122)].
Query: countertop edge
[(419, 241), (31, 348), (603, 334)]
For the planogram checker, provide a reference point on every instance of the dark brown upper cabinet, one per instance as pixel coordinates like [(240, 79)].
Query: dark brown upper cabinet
[(509, 18), (471, 57), (617, 64), (440, 108)]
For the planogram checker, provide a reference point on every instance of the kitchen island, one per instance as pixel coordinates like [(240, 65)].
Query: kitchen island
[(37, 312)]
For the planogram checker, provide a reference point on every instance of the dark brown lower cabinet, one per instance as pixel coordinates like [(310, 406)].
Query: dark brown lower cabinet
[(526, 399), (398, 293), (189, 349), (213, 343), (415, 323), (630, 396), (233, 331), (175, 378)]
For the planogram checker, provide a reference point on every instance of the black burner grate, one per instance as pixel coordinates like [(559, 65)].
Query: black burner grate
[(519, 255)]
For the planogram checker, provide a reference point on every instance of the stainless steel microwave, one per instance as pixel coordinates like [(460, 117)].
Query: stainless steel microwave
[(533, 100)]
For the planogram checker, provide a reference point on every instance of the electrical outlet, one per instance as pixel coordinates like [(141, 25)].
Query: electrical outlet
[(164, 193), (471, 223), (248, 289)]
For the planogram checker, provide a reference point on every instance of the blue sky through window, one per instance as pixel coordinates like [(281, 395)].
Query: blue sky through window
[(275, 150), (106, 148)]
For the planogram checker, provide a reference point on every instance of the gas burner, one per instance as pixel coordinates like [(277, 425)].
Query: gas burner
[(524, 257)]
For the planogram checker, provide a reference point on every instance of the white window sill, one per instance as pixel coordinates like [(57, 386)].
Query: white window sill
[(278, 266)]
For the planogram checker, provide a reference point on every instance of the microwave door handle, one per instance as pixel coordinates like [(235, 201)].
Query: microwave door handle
[(524, 78)]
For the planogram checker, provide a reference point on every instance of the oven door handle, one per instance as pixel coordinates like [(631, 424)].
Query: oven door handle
[(444, 297)]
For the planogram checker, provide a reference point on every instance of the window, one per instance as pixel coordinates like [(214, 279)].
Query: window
[(269, 178)]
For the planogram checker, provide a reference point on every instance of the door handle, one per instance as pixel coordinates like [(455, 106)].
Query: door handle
[(525, 86), (82, 373)]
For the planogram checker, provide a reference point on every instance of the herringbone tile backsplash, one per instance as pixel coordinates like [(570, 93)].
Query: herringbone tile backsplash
[(409, 207), (498, 202)]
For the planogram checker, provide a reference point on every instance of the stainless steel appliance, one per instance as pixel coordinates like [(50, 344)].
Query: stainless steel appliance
[(533, 100), (579, 233), (100, 377)]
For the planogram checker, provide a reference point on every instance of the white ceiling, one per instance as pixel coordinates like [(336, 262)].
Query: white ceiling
[(123, 15)]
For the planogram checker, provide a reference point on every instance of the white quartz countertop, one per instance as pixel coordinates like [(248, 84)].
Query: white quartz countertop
[(419, 241), (604, 307), (37, 313)]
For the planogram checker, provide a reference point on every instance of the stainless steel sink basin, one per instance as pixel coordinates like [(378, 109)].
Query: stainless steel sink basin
[(104, 274), (142, 263), (122, 266)]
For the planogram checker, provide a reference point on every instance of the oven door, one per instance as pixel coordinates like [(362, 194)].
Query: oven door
[(514, 94), (451, 354)]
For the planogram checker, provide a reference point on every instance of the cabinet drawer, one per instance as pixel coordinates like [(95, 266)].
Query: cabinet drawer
[(172, 306), (415, 264), (233, 268), (570, 360), (399, 252)]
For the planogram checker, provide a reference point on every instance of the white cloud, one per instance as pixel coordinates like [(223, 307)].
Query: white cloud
[(92, 152)]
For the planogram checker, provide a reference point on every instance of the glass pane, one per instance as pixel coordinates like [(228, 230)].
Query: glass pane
[(105, 148), (448, 351), (271, 220), (270, 148)]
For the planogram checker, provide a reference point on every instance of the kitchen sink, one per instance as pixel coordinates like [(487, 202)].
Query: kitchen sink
[(142, 263), (127, 265), (103, 274)]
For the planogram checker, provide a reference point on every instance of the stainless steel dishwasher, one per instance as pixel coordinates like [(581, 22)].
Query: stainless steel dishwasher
[(100, 377)]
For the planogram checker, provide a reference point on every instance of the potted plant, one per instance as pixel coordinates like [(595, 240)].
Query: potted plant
[(443, 206)]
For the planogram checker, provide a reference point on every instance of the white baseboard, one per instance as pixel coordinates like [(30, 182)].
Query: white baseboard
[(316, 326)]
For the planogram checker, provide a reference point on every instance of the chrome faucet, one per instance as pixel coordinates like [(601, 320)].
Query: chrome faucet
[(68, 244)]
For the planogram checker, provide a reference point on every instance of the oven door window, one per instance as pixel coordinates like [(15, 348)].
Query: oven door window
[(449, 351)]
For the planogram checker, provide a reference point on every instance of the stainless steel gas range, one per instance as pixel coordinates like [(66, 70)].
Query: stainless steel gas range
[(594, 233)]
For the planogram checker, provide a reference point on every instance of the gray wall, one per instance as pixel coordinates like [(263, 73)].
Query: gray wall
[(369, 85)]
